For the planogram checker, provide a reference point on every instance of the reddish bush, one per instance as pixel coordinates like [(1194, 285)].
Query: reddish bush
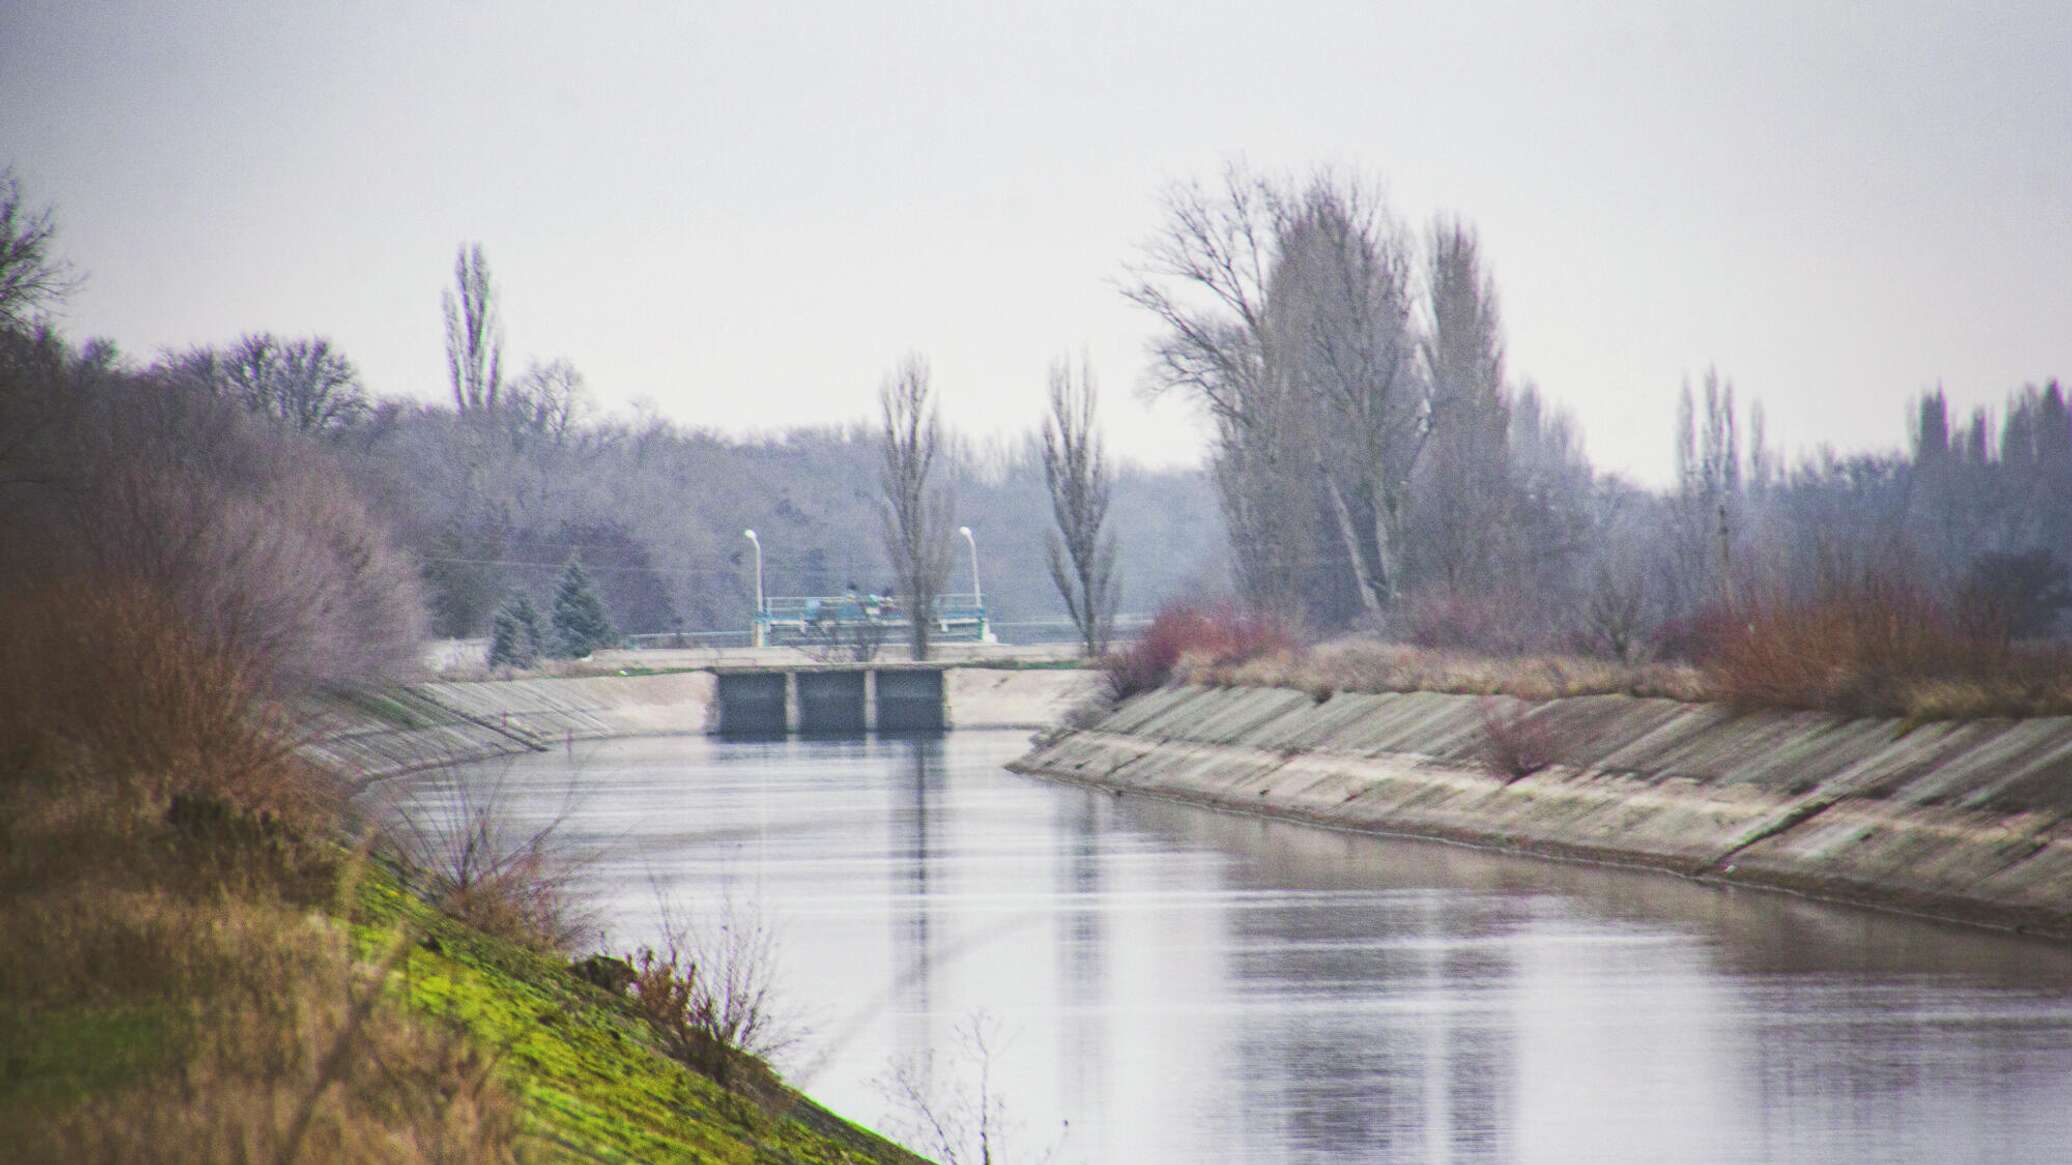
[(1514, 743), (1502, 622), (1216, 634), (1864, 645), (1698, 635)]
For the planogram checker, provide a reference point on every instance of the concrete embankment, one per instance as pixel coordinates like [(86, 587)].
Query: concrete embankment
[(1966, 821), (415, 726)]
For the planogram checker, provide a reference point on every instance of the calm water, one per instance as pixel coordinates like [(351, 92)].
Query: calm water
[(1167, 984)]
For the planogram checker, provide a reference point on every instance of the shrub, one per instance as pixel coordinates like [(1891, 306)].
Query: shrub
[(272, 558), (104, 681), (1515, 743), (1218, 635), (611, 975), (488, 867), (1498, 622), (1878, 643), (707, 990), (170, 987), (949, 1106)]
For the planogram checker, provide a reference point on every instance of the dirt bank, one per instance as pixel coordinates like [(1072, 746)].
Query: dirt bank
[(1965, 821)]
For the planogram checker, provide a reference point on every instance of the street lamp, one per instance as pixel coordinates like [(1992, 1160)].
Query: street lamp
[(758, 630), (978, 599)]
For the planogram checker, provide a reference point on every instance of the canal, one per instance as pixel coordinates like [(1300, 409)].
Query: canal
[(1161, 983)]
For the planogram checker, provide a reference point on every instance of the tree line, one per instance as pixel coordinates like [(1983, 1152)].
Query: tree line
[(1374, 466), (495, 492), (1379, 469)]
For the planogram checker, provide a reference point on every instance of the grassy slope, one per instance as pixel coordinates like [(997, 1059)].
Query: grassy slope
[(585, 1072), (586, 1069)]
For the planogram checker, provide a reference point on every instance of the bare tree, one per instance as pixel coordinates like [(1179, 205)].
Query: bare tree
[(1286, 315), (1204, 277), (32, 279), (304, 384), (547, 403), (917, 511), (474, 335), (1081, 552), (1342, 307), (1614, 619), (1705, 510)]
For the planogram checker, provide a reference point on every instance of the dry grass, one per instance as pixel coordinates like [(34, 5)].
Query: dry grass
[(1875, 649), (174, 985), (151, 1027), (1365, 665)]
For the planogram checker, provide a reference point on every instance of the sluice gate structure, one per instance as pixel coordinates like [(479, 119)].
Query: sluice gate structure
[(832, 699)]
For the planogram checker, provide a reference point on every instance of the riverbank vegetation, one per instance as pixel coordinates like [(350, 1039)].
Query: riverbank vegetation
[(1376, 468), (211, 956), (1388, 484), (212, 953), (1383, 474), (1873, 646)]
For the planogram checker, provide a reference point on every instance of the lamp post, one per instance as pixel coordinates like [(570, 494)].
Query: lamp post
[(978, 598), (756, 636)]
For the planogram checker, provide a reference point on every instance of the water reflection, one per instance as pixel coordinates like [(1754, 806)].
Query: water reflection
[(1186, 986), (913, 959)]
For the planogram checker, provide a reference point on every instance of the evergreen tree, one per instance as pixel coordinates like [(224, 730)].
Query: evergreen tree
[(516, 639), (581, 624)]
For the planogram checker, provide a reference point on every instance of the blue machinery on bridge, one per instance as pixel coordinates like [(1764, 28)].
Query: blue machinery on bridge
[(862, 620), (859, 619)]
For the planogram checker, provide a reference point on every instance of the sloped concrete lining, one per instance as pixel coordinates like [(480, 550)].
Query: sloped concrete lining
[(1034, 698), (1965, 821), (417, 726), (370, 735)]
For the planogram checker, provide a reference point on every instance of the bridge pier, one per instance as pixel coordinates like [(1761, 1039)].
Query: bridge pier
[(843, 699)]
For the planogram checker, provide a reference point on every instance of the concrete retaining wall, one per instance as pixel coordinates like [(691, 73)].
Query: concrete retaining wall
[(1964, 821)]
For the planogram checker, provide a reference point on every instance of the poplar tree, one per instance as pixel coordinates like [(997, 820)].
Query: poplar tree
[(917, 508), (1081, 549)]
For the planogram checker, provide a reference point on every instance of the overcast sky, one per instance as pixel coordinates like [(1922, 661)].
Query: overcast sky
[(745, 213)]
